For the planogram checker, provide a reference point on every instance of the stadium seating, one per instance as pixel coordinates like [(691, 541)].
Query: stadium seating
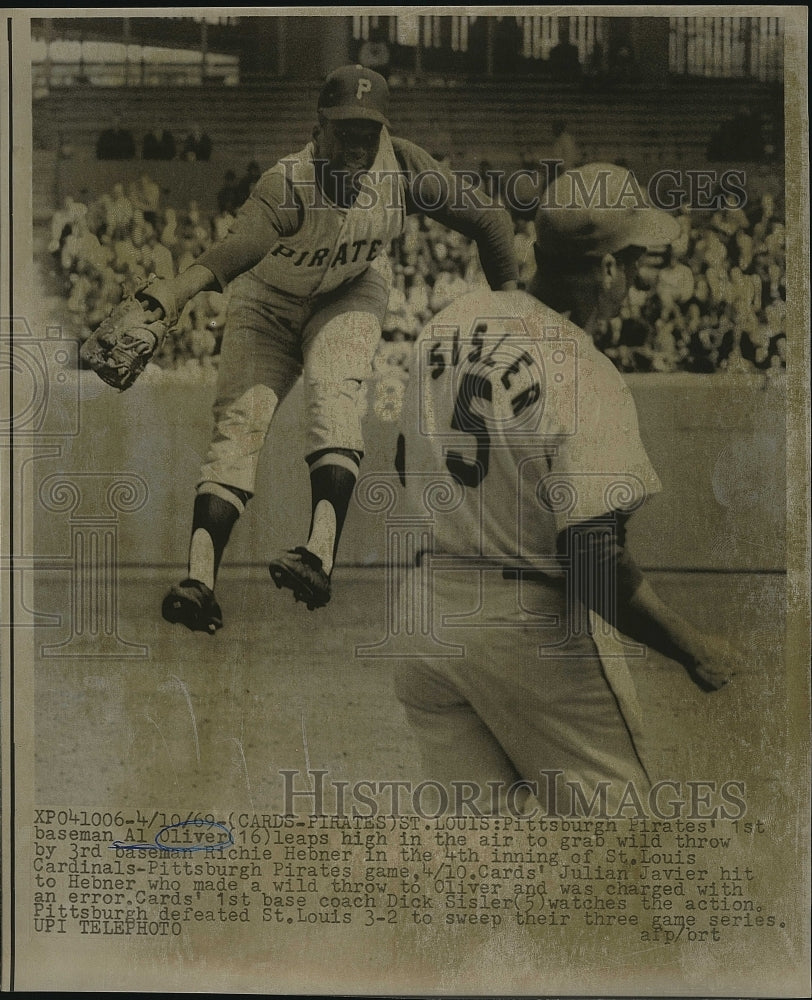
[(264, 123), (721, 306)]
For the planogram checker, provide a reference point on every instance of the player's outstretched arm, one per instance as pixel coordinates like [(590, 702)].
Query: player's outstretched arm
[(122, 346), (449, 199), (166, 297), (270, 212), (592, 555)]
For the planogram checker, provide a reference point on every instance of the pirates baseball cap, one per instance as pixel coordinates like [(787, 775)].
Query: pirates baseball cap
[(597, 209), (354, 92)]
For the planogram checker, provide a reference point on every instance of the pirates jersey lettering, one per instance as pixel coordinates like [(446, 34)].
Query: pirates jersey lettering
[(340, 255), (334, 244)]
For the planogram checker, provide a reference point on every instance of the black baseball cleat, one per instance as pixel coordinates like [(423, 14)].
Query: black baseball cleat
[(192, 604), (301, 571)]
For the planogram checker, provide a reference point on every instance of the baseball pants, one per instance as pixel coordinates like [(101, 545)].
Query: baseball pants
[(503, 713), (270, 340)]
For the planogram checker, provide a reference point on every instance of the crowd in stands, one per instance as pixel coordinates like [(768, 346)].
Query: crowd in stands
[(104, 250), (117, 142), (717, 302)]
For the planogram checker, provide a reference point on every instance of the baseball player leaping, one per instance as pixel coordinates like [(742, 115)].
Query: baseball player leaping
[(306, 261)]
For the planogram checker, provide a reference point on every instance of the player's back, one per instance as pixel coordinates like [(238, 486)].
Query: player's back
[(515, 425)]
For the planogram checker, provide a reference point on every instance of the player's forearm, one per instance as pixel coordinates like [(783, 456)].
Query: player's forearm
[(433, 191), (607, 580), (272, 211), (196, 278), (172, 294), (711, 660), (237, 253), (642, 616)]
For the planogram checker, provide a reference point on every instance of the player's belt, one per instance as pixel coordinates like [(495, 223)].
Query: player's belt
[(528, 574)]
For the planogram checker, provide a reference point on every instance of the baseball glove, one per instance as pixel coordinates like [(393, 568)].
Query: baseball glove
[(123, 344)]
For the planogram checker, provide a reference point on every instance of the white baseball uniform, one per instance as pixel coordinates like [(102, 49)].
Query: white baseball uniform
[(314, 303), (514, 427)]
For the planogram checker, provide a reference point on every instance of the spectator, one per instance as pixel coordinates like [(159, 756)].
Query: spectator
[(161, 262), (115, 143), (220, 225), (189, 251), (638, 293), (248, 181), (711, 250), (202, 325), (169, 233), (441, 143), (740, 138), (375, 54), (408, 247), (565, 149), (106, 293), (141, 252), (98, 212), (167, 147), (622, 63), (119, 214), (773, 288), (81, 251), (197, 145), (675, 282), (489, 179), (63, 221), (774, 244), (594, 69), (80, 287), (195, 228), (145, 195), (765, 217), (399, 323), (718, 303), (447, 287), (665, 354), (746, 133), (523, 250), (729, 219), (682, 242), (228, 195), (719, 283), (158, 147), (126, 260), (150, 145), (418, 300), (564, 64), (507, 44)]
